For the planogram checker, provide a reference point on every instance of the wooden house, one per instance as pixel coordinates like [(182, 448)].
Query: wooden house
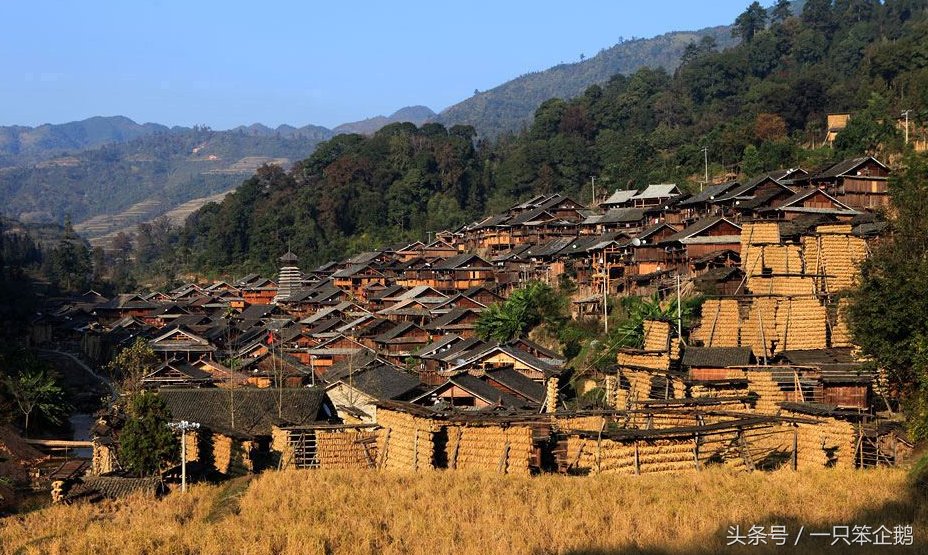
[(355, 392), (399, 342), (461, 272), (357, 277), (181, 344), (459, 321), (502, 355), (176, 373), (259, 291), (334, 350), (859, 183), (619, 199), (701, 238), (655, 195), (810, 201), (470, 392)]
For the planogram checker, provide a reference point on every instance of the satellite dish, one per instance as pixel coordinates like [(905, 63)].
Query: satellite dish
[(636, 242)]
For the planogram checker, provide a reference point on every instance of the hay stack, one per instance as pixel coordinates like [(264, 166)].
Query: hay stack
[(719, 326), (782, 259), (406, 442), (769, 394), (800, 324), (840, 332), (344, 449), (656, 335), (760, 233), (760, 327), (791, 285), (590, 423), (655, 361), (501, 449), (828, 443), (551, 394), (231, 456)]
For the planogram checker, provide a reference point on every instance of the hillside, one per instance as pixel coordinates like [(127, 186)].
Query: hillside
[(24, 145), (307, 511), (510, 106), (143, 177), (412, 114), (756, 107)]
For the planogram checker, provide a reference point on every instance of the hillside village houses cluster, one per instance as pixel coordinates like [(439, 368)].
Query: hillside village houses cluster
[(373, 361)]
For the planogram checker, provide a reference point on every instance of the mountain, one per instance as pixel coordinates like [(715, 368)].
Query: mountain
[(755, 107), (316, 132), (120, 184), (22, 144), (510, 106), (413, 114)]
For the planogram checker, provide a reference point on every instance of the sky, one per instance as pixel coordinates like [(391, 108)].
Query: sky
[(231, 63)]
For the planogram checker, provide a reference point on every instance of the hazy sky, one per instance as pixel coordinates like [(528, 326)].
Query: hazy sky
[(326, 63)]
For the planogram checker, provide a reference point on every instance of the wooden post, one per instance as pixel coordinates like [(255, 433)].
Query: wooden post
[(795, 447), (415, 452), (637, 463), (599, 443)]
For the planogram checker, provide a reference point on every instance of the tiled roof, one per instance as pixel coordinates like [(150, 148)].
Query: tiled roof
[(717, 357), (256, 410)]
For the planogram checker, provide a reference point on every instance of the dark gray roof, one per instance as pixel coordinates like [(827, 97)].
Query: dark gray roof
[(510, 378), (459, 261), (717, 357), (709, 193), (382, 381), (258, 311), (697, 227), (622, 215), (449, 317), (845, 166), (256, 410)]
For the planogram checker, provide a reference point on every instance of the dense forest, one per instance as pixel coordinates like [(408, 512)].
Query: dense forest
[(757, 106), (509, 107)]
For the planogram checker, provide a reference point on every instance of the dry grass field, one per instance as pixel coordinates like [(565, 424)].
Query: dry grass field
[(457, 512)]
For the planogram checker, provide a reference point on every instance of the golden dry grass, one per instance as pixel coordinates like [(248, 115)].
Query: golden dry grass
[(459, 512)]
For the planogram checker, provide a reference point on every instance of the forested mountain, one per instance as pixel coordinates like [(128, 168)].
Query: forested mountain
[(23, 145), (510, 106), (412, 114), (757, 106), (165, 168)]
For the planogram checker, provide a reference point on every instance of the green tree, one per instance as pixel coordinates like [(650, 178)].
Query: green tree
[(534, 304), (131, 364), (751, 163), (35, 390), (146, 443), (781, 10), (750, 22), (888, 307)]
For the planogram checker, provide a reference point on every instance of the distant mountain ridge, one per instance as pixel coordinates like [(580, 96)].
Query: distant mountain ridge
[(20, 143), (413, 114), (510, 106)]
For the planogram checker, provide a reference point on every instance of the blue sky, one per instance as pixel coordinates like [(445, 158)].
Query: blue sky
[(228, 63)]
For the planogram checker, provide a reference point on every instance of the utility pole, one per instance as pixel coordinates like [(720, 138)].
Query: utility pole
[(705, 155), (183, 426), (906, 114), (593, 190)]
